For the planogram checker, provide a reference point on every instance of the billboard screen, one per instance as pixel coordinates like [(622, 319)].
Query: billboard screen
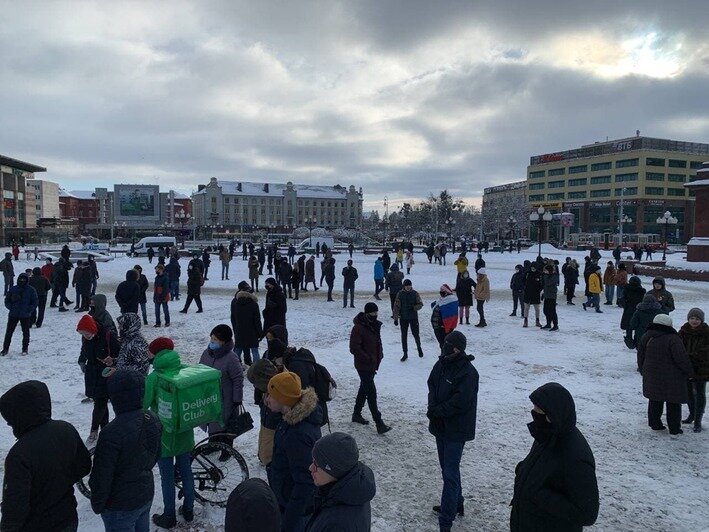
[(137, 201)]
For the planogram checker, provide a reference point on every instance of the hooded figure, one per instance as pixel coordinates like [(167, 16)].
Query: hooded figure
[(21, 302), (277, 343), (127, 450), (252, 507), (663, 296), (274, 313), (134, 348), (642, 317), (632, 297), (43, 465), (246, 322), (97, 309), (128, 293), (555, 486)]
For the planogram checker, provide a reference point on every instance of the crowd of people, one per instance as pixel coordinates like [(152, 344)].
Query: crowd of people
[(315, 482)]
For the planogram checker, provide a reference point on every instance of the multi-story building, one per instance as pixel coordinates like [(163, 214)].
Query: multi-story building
[(18, 211), (505, 210), (46, 196), (646, 174), (246, 206)]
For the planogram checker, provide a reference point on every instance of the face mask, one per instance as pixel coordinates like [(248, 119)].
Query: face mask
[(540, 429), (372, 317), (448, 349), (443, 294), (214, 345)]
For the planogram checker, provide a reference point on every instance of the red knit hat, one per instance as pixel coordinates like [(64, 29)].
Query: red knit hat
[(161, 343), (88, 324)]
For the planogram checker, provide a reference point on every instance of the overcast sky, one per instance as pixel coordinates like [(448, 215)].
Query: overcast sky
[(401, 98)]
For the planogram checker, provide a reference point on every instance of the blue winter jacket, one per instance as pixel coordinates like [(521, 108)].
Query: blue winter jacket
[(21, 299), (378, 270)]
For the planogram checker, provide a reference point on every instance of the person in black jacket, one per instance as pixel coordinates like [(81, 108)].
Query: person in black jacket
[(302, 363), (555, 485), (349, 275), (452, 411), (195, 280), (274, 313), (464, 285), (571, 279), (517, 287), (206, 260), (128, 293), (143, 296), (328, 272), (121, 481), (284, 276), (246, 323), (93, 270), (60, 282), (82, 282), (252, 507), (43, 465), (41, 285), (533, 286)]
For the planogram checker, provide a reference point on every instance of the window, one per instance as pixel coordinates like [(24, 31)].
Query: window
[(604, 193), (677, 178), (692, 164), (629, 191), (676, 163), (619, 178), (654, 191), (556, 196), (578, 182), (536, 186), (536, 197), (652, 161), (675, 192), (600, 166), (226, 200), (625, 163), (654, 176), (556, 184), (578, 169), (557, 171), (577, 195), (601, 180)]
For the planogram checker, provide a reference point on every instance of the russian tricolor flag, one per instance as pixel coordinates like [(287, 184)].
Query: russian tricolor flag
[(449, 312)]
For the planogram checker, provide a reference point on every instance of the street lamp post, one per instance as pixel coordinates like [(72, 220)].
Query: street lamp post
[(665, 221), (385, 219), (184, 218), (625, 219), (311, 221), (451, 222), (541, 216), (512, 222)]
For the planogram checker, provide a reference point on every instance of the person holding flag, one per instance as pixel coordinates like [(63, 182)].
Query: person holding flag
[(444, 317)]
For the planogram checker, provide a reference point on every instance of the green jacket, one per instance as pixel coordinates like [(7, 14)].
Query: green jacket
[(173, 444)]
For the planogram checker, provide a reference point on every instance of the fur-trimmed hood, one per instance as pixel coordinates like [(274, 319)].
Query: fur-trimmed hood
[(307, 409), (243, 296)]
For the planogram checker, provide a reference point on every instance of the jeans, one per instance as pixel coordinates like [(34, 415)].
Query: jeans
[(38, 313), (175, 289), (697, 398), (481, 310), (595, 302), (367, 393), (350, 290), (225, 270), (378, 286), (449, 455), (610, 292), (165, 310), (620, 295), (405, 330), (144, 311), (251, 354), (550, 312), (517, 300), (137, 520), (167, 480), (9, 331), (674, 415)]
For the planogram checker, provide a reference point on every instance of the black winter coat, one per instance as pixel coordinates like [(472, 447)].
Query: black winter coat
[(464, 291), (43, 465), (533, 287), (252, 506), (555, 486), (344, 505), (366, 343), (664, 364), (40, 284), (642, 319), (246, 320), (632, 297), (571, 276), (93, 351), (349, 274), (274, 313), (128, 293), (144, 285), (127, 449), (194, 282), (60, 274), (453, 398), (517, 282), (302, 363)]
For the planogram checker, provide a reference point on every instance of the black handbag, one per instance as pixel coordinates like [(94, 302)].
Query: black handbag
[(239, 422)]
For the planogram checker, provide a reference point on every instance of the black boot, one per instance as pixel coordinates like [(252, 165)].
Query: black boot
[(461, 510), (164, 521), (405, 357), (689, 420), (187, 514), (382, 428), (357, 418), (420, 351), (698, 423)]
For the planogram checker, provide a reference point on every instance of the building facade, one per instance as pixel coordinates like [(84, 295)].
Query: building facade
[(505, 211), (246, 206), (46, 196), (18, 210), (646, 174)]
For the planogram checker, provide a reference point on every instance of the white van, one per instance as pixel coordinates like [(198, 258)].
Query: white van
[(141, 247), (306, 244)]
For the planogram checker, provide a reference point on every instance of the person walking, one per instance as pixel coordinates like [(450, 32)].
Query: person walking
[(386, 260), (128, 293), (345, 486), (366, 348), (393, 283), (99, 346), (406, 306), (161, 295), (665, 367), (8, 272), (246, 323), (42, 466), (409, 261), (60, 282), (310, 273), (663, 296), (142, 296), (176, 447), (551, 289), (533, 286), (206, 260), (350, 248), (41, 285), (293, 443), (378, 278), (452, 411), (621, 281), (276, 307), (617, 252), (285, 270), (195, 280), (301, 269), (349, 276), (633, 295), (296, 279), (482, 295), (695, 337), (444, 314), (399, 258), (329, 273), (21, 302), (121, 481), (93, 273), (609, 282), (173, 270), (555, 486), (464, 287), (220, 355), (261, 256), (517, 287), (151, 254), (595, 289), (643, 316)]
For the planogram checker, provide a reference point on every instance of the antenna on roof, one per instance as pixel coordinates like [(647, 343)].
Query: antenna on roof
[(637, 132)]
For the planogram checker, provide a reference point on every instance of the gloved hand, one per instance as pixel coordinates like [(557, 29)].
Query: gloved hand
[(396, 323), (236, 404), (82, 365)]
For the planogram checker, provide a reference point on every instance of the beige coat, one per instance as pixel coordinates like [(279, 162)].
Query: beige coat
[(482, 290)]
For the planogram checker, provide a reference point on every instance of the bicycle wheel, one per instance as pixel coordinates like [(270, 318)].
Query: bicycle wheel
[(83, 484), (217, 469)]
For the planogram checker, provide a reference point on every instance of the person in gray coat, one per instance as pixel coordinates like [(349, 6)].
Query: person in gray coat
[(551, 289), (345, 486)]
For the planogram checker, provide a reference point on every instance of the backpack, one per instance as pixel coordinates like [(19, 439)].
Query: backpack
[(324, 385)]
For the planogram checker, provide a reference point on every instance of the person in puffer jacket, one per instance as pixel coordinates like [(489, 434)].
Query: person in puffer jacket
[(345, 486), (121, 481)]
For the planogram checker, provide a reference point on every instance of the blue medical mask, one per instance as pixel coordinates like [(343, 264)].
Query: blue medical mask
[(214, 345)]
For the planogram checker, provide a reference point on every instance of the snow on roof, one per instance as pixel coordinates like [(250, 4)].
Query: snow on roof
[(83, 194), (697, 183), (277, 190)]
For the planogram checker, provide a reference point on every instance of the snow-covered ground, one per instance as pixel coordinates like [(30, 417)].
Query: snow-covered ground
[(647, 480)]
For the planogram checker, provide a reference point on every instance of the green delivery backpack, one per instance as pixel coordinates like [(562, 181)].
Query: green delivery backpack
[(189, 397)]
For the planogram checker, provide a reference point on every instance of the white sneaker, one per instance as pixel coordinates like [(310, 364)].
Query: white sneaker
[(25, 353), (91, 440)]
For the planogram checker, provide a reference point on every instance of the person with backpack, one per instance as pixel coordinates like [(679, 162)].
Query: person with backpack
[(42, 466), (349, 276), (128, 293), (161, 295), (312, 375), (246, 323), (41, 285), (21, 302), (176, 447), (406, 307), (366, 347), (444, 314), (142, 296), (121, 481), (99, 346)]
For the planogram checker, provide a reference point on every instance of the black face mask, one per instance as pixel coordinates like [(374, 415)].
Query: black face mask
[(372, 317), (448, 349), (443, 294), (540, 429)]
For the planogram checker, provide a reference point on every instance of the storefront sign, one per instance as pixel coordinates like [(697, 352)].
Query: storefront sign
[(548, 206)]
